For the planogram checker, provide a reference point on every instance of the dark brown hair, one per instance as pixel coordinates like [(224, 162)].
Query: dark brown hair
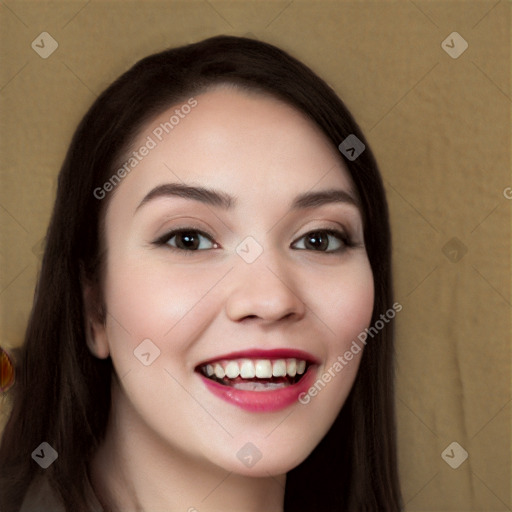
[(62, 392)]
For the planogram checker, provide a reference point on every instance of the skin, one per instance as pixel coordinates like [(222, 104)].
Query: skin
[(170, 443)]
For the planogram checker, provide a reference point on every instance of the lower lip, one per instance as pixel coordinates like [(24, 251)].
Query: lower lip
[(262, 401)]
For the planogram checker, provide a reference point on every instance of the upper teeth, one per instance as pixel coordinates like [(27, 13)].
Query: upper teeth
[(261, 368)]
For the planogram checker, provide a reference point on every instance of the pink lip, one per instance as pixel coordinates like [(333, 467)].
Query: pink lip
[(263, 401)]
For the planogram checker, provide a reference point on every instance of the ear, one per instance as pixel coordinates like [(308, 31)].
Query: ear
[(94, 321)]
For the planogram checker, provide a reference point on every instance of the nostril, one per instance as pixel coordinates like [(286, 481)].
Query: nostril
[(248, 317)]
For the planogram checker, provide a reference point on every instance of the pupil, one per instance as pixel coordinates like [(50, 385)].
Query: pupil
[(188, 240), (317, 241)]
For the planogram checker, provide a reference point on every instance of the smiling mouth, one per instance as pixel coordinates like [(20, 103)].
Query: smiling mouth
[(256, 374)]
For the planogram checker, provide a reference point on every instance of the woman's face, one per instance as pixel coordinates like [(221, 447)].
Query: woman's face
[(266, 274)]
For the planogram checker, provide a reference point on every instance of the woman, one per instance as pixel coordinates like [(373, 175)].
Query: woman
[(203, 335)]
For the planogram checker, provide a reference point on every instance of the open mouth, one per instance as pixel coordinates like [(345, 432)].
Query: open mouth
[(256, 374)]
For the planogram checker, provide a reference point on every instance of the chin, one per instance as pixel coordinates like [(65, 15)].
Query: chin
[(262, 458)]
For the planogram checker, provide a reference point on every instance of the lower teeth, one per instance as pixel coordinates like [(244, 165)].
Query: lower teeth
[(256, 384), (259, 386)]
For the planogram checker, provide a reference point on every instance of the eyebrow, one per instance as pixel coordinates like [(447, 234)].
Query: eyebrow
[(226, 201)]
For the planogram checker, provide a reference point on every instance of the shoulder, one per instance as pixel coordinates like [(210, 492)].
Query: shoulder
[(40, 497)]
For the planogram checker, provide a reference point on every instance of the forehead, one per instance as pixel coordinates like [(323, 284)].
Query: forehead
[(250, 145)]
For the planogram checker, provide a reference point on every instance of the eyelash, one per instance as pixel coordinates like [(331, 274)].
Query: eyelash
[(344, 238)]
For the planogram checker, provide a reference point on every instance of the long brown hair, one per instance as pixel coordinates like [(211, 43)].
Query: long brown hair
[(62, 392)]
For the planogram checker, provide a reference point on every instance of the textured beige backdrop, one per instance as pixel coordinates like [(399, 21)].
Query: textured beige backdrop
[(440, 128)]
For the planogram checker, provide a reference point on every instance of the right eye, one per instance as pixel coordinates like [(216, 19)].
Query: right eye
[(187, 239)]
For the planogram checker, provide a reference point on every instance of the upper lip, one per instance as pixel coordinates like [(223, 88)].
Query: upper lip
[(278, 353)]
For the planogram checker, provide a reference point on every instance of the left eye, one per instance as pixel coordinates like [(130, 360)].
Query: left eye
[(322, 241)]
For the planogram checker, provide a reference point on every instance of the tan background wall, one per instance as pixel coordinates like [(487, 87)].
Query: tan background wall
[(440, 128)]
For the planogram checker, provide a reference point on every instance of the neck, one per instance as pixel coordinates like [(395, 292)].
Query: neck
[(135, 470)]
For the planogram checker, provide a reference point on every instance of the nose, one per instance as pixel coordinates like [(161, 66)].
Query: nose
[(264, 290)]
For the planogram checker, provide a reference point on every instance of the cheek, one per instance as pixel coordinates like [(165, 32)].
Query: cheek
[(345, 305), (151, 300)]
